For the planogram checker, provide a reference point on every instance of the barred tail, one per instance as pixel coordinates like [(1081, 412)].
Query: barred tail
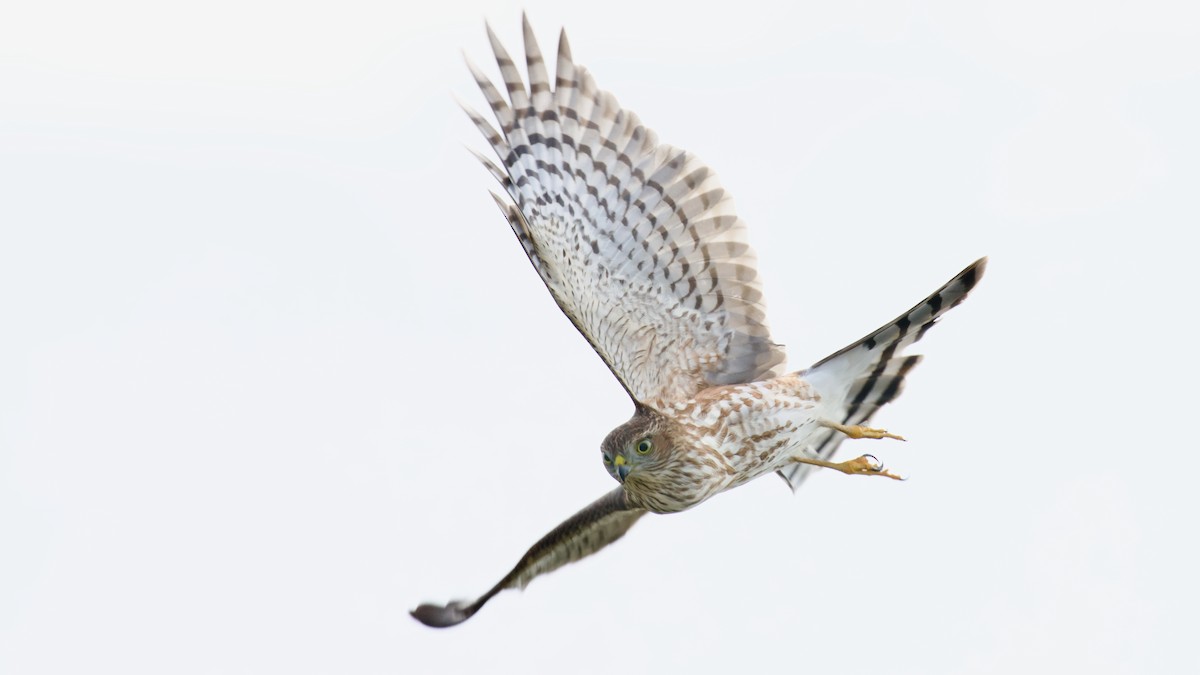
[(860, 378)]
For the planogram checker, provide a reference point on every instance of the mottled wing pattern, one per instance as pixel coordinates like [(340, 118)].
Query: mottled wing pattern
[(636, 240), (869, 373), (603, 521)]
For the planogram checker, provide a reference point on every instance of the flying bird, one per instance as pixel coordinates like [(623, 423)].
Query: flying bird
[(642, 250)]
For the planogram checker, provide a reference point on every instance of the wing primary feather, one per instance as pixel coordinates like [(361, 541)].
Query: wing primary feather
[(496, 171), (539, 80), (508, 72), (504, 114), (599, 524)]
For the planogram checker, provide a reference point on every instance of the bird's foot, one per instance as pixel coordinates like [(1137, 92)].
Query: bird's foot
[(867, 465), (857, 431)]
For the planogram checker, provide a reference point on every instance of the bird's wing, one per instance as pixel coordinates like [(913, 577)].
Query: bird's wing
[(858, 379), (636, 240), (603, 521)]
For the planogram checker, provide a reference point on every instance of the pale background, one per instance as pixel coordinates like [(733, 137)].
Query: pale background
[(273, 370)]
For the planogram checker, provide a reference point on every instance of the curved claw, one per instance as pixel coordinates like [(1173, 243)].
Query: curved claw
[(866, 465), (444, 616)]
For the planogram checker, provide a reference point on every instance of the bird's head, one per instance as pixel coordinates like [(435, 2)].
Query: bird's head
[(638, 448)]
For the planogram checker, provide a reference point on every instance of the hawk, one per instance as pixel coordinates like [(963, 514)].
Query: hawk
[(644, 253)]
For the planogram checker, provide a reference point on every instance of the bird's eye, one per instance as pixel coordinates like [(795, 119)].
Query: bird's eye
[(644, 446), (607, 459)]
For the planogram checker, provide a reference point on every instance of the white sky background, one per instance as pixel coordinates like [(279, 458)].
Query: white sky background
[(273, 370)]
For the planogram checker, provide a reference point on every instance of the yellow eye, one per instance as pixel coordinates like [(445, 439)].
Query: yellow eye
[(644, 446)]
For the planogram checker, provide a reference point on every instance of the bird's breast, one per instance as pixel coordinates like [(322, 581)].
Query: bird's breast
[(754, 428)]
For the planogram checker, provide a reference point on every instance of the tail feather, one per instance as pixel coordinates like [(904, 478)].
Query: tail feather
[(867, 374)]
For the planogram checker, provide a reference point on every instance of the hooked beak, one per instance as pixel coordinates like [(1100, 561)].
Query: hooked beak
[(622, 467)]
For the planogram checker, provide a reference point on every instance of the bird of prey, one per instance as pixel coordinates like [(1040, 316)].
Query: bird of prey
[(644, 253)]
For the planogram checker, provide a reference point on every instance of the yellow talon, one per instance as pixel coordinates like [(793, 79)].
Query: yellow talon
[(867, 465)]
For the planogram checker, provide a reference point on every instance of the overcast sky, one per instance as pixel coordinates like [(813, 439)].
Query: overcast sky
[(273, 370)]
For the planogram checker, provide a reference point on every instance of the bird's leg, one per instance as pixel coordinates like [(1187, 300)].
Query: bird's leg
[(867, 465), (856, 431)]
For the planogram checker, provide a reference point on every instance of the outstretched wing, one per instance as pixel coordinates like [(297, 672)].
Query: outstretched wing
[(863, 376), (604, 521), (636, 240)]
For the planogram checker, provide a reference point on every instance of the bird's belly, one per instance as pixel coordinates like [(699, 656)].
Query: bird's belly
[(749, 429), (766, 448)]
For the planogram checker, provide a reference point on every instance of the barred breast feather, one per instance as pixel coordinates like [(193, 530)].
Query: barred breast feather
[(636, 240)]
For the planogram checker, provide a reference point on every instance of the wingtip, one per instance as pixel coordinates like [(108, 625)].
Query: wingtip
[(442, 616), (469, 61), (492, 37), (476, 73), (564, 47), (531, 46)]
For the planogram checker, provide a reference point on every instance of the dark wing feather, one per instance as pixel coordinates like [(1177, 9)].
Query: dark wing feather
[(604, 521)]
